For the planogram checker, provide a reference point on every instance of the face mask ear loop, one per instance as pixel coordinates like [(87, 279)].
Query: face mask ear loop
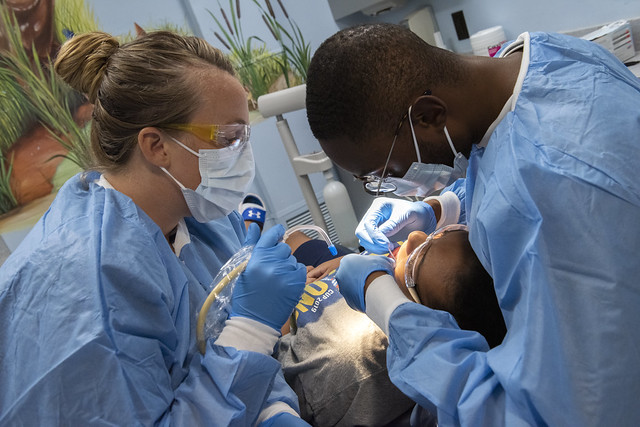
[(195, 153), (446, 133), (171, 176), (413, 133)]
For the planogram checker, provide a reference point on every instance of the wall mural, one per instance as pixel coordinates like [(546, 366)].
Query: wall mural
[(44, 136), (45, 125)]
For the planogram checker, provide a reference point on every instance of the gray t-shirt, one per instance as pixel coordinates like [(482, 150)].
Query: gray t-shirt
[(336, 363)]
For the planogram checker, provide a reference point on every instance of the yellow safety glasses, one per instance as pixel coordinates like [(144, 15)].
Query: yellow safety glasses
[(221, 136)]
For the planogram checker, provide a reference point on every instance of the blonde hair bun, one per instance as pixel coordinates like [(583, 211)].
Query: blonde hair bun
[(82, 61)]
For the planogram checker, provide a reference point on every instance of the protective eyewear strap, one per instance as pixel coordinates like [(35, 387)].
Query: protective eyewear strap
[(384, 170), (205, 132), (195, 153), (413, 133)]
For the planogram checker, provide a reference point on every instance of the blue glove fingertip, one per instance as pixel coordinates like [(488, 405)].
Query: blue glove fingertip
[(430, 224), (253, 235), (271, 237)]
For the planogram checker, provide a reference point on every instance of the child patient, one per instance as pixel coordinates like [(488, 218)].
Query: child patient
[(442, 272), (336, 361)]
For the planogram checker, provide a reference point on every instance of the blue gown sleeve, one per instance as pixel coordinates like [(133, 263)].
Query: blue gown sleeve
[(563, 255), (224, 387), (443, 368), (118, 347), (553, 216)]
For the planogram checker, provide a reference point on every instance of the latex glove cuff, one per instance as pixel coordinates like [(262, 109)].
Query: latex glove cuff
[(382, 298), (247, 334), (449, 208)]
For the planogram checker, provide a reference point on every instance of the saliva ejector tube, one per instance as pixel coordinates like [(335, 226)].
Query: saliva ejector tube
[(228, 275), (323, 235)]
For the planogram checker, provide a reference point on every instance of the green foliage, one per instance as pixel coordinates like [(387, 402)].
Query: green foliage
[(296, 53), (258, 68), (260, 73), (243, 51), (7, 199), (50, 99), (16, 114), (74, 16)]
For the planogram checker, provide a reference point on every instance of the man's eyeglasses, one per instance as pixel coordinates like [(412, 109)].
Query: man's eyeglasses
[(415, 259), (221, 136), (375, 185)]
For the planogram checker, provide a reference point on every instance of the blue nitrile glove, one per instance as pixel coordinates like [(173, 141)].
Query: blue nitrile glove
[(387, 217), (272, 283), (352, 275)]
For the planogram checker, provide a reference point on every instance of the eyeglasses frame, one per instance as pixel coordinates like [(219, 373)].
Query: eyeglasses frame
[(409, 276), (210, 133), (370, 179)]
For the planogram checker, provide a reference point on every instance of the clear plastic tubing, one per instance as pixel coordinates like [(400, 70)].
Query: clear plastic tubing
[(237, 264), (323, 234)]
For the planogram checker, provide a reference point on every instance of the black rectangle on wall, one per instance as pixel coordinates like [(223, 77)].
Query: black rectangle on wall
[(460, 24)]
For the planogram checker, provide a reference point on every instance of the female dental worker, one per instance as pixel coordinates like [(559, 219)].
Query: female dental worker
[(551, 128), (98, 304)]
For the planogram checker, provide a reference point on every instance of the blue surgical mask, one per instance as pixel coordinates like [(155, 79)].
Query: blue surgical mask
[(424, 179), (226, 175)]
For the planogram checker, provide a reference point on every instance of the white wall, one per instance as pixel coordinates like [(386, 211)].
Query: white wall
[(117, 16), (516, 16), (275, 179)]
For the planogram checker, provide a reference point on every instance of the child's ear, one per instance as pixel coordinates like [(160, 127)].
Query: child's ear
[(415, 239)]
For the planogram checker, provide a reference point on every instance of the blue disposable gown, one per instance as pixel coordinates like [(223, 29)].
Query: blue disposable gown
[(553, 206), (98, 322)]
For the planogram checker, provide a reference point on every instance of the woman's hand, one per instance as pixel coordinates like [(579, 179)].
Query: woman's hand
[(273, 282)]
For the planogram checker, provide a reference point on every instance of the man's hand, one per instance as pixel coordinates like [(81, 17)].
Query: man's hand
[(354, 275)]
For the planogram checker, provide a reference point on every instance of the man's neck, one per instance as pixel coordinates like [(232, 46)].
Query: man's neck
[(483, 94)]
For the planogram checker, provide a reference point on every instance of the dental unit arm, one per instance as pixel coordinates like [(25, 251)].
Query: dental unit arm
[(334, 193), (230, 272)]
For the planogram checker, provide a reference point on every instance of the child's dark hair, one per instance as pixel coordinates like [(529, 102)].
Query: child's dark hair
[(475, 305)]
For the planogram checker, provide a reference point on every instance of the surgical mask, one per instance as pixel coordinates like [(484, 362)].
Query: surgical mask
[(226, 175), (424, 179)]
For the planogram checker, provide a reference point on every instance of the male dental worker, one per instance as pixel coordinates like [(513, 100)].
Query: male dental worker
[(551, 132)]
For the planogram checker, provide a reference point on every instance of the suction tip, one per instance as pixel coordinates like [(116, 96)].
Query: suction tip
[(333, 250)]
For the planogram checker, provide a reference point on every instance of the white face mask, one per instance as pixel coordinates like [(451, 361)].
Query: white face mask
[(226, 175), (422, 180)]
